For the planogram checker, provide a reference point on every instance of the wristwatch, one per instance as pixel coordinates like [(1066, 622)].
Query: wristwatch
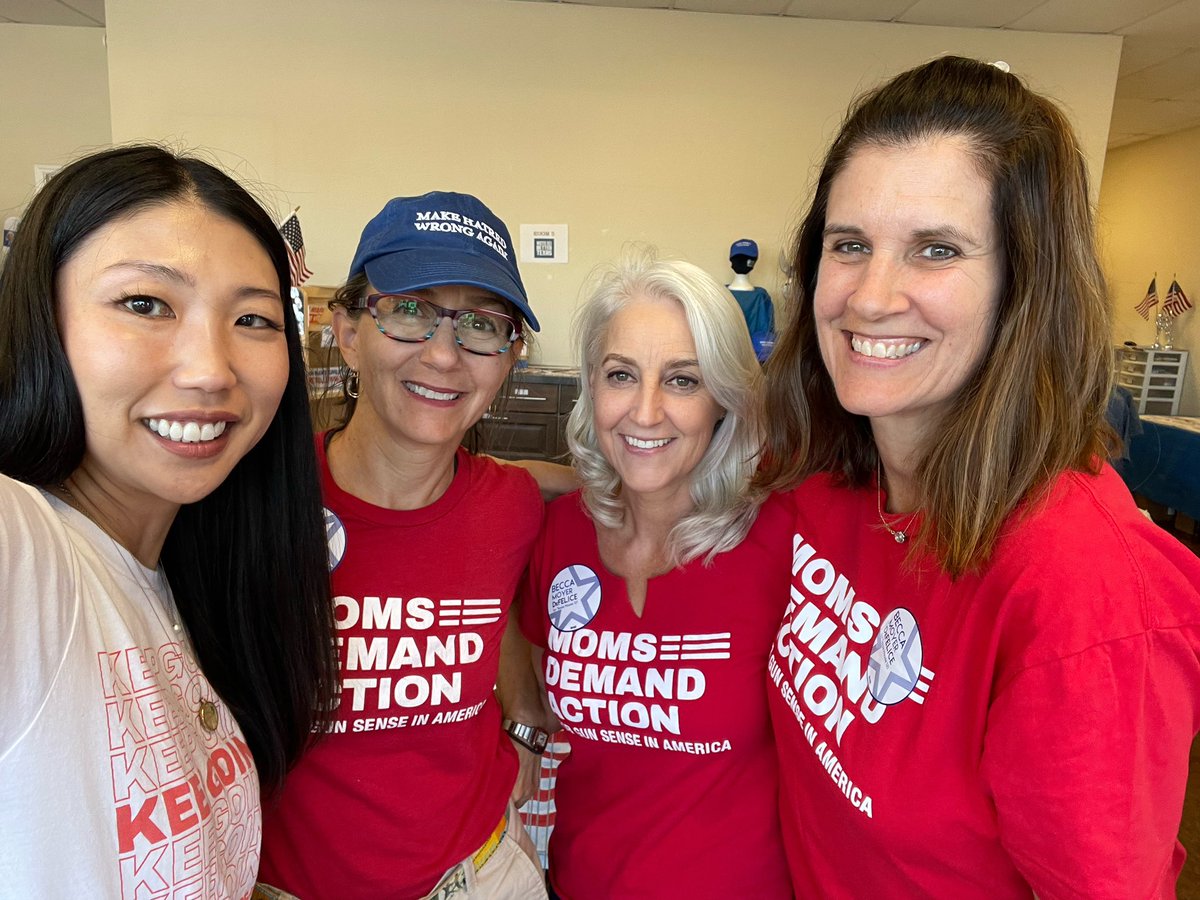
[(529, 736)]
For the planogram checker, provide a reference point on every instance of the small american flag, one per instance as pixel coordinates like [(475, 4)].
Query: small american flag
[(1176, 301), (290, 229), (1143, 309)]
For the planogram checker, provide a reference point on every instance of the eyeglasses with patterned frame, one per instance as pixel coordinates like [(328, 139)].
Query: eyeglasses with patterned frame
[(413, 319)]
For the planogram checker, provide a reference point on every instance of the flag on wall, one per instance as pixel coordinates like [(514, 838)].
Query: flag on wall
[(1143, 309), (1176, 301), (290, 229)]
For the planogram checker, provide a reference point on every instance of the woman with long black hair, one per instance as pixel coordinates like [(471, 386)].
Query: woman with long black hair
[(164, 621)]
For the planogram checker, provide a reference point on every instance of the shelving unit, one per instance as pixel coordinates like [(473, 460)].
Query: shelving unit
[(1153, 377)]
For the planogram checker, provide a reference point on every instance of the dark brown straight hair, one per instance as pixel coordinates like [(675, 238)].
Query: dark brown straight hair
[(1035, 407)]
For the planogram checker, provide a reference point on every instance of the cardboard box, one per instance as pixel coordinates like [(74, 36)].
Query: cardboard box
[(321, 356), (318, 320)]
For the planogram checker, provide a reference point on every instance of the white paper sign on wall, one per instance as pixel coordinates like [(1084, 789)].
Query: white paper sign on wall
[(543, 243)]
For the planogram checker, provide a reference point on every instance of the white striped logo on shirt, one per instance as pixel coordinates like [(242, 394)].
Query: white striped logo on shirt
[(694, 646), (455, 613)]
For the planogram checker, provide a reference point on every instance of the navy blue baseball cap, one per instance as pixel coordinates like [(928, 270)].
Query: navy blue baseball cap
[(440, 238), (744, 247)]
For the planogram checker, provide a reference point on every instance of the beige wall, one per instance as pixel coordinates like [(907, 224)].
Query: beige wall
[(1150, 223), (53, 103), (687, 130)]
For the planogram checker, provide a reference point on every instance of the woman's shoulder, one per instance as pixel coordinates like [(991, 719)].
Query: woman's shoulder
[(567, 521), (15, 491), (774, 518), (25, 516), (39, 583), (819, 498), (499, 476), (816, 488), (568, 506), (566, 518), (504, 490), (38, 543), (1089, 520), (1086, 560)]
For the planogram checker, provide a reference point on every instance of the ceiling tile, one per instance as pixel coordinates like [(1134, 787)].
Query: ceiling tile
[(42, 12), (1139, 52), (1120, 139), (1153, 116), (631, 4), (966, 13), (1163, 80), (742, 7), (1089, 16), (93, 9), (1177, 25), (848, 10), (1157, 91)]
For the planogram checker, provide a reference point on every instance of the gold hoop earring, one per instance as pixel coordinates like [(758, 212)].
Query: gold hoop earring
[(352, 384)]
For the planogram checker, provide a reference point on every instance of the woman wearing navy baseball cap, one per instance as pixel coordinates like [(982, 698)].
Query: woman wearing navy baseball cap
[(427, 543)]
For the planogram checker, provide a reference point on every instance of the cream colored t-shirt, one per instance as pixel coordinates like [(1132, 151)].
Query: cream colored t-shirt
[(111, 785)]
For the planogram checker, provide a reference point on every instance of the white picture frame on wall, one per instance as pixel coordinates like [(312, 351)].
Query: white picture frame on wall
[(41, 174)]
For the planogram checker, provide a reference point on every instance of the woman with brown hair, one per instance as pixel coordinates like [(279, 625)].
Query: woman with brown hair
[(986, 680), (414, 791)]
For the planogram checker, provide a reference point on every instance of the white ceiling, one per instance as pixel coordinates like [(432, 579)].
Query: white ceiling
[(1158, 87)]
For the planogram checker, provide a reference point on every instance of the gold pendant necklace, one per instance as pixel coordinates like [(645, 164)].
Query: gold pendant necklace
[(898, 535), (207, 711), (207, 714)]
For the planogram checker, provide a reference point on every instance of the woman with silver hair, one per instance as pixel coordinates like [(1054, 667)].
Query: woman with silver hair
[(646, 591)]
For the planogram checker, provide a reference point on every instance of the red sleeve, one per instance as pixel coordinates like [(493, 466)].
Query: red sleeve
[(530, 614), (1086, 758)]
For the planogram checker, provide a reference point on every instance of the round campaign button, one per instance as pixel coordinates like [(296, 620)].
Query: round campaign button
[(335, 538), (574, 598), (895, 665)]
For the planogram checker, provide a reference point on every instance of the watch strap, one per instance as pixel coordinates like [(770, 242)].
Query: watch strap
[(529, 736)]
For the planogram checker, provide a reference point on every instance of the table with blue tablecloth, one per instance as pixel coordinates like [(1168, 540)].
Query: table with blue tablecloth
[(1162, 463)]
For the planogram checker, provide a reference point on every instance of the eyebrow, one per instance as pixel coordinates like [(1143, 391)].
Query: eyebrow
[(834, 228), (671, 364), (177, 276), (158, 270), (945, 232), (941, 232)]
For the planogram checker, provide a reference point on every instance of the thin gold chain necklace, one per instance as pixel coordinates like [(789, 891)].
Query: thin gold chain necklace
[(206, 711), (899, 535)]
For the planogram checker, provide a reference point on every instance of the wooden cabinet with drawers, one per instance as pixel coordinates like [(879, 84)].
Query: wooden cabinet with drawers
[(530, 420)]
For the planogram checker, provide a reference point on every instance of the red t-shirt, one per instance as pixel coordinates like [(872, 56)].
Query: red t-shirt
[(671, 784), (1025, 729), (417, 772)]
